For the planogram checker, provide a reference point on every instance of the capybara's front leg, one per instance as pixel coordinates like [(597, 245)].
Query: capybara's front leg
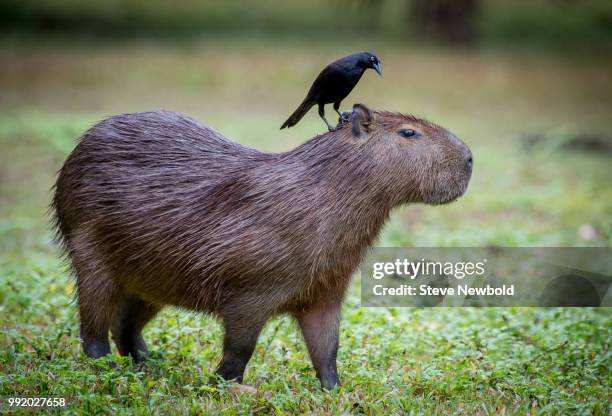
[(320, 326), (241, 335)]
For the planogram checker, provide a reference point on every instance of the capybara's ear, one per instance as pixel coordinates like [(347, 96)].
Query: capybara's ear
[(361, 119)]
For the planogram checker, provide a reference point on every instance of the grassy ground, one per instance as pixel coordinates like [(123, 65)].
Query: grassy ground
[(471, 361)]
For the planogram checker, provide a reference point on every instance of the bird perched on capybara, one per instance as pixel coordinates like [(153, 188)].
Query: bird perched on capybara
[(157, 209), (333, 84)]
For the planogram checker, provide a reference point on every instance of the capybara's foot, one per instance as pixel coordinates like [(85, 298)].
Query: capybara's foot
[(96, 347), (331, 382), (132, 345)]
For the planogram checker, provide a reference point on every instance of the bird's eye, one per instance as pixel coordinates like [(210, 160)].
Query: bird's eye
[(372, 59), (407, 133)]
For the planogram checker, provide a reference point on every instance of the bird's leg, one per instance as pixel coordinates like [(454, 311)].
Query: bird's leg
[(344, 117), (322, 115), (336, 107)]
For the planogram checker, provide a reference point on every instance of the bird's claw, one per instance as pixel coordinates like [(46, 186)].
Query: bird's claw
[(344, 118)]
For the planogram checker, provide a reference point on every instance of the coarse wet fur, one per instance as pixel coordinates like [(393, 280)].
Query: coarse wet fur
[(156, 209)]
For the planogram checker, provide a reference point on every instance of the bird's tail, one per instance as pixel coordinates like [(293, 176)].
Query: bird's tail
[(297, 114)]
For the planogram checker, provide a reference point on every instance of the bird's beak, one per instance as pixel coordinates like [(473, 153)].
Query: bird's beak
[(377, 68)]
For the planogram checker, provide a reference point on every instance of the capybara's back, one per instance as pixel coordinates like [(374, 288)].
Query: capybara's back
[(155, 209), (142, 196)]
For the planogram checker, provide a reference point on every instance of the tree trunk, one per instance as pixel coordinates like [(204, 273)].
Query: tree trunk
[(449, 21)]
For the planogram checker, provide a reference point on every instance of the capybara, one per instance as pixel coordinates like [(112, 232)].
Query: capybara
[(157, 209)]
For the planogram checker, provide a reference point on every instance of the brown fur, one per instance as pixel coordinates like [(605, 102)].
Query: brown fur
[(155, 209)]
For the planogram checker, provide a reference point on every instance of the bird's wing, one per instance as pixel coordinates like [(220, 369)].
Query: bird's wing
[(330, 76), (320, 85)]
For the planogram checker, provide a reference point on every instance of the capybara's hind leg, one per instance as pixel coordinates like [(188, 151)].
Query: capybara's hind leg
[(97, 294), (132, 315), (241, 333), (96, 307)]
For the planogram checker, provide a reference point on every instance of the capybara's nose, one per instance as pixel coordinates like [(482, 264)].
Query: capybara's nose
[(467, 158)]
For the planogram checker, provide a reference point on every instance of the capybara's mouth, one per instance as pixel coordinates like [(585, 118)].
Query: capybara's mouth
[(450, 193)]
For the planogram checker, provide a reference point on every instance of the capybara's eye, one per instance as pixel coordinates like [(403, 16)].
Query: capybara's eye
[(407, 133)]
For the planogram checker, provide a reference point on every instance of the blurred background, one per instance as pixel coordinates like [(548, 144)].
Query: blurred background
[(527, 84)]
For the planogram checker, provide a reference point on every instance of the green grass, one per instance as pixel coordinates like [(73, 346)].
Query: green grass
[(469, 361), (395, 361)]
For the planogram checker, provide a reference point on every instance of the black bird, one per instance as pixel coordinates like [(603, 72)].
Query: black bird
[(333, 84)]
